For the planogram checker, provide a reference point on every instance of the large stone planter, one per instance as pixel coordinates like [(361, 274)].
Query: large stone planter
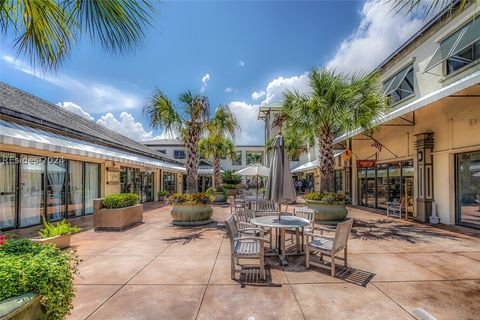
[(189, 214), (61, 242), (326, 213), (220, 197), (232, 192), (116, 219), (24, 307)]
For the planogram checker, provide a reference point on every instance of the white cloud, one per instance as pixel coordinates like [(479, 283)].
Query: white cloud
[(75, 108), (125, 125), (94, 96), (258, 94), (205, 79), (231, 90), (276, 87), (252, 128), (380, 32), (241, 63)]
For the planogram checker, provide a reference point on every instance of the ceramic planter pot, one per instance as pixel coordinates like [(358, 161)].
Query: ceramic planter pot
[(61, 241), (220, 197), (24, 307), (191, 214), (116, 219), (326, 213)]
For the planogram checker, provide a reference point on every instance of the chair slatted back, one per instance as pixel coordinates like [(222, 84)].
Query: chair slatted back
[(232, 229), (265, 206), (305, 213), (244, 215), (341, 235)]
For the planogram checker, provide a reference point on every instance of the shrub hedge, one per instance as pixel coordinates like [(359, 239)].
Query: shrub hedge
[(121, 200), (26, 266)]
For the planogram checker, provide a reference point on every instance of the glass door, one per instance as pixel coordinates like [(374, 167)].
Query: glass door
[(75, 188), (371, 190), (468, 189), (408, 183), (394, 182), (362, 187), (382, 186), (92, 185), (32, 201), (169, 182), (56, 176), (8, 177)]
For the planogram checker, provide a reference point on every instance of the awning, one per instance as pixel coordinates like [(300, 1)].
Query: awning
[(20, 135), (313, 164), (456, 43), (444, 92)]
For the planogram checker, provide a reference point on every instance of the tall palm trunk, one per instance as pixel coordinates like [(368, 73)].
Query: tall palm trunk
[(216, 171), (326, 160), (192, 160)]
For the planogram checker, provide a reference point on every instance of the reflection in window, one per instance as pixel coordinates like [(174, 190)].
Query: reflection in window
[(463, 58), (468, 189), (8, 173), (75, 188), (32, 173), (401, 85), (254, 157), (56, 175)]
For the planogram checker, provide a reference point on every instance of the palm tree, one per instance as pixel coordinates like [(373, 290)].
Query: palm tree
[(337, 103), (217, 148), (191, 124), (429, 6), (222, 129), (45, 30)]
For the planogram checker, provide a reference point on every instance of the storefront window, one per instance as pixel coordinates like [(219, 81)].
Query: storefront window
[(468, 189), (32, 174), (8, 174), (75, 188), (338, 182), (170, 182), (395, 182), (56, 175), (92, 185), (254, 157), (382, 186)]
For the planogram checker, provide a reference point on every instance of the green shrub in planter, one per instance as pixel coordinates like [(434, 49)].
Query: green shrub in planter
[(229, 186), (49, 230), (162, 193), (328, 197), (211, 191), (121, 200), (27, 266), (229, 177)]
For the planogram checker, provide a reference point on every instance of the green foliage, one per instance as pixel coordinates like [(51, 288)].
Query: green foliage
[(328, 197), (262, 190), (121, 200), (229, 177), (46, 30), (26, 266), (63, 227), (195, 198), (222, 189), (162, 193)]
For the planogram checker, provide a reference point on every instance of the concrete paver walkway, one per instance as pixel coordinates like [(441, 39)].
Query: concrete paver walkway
[(159, 271)]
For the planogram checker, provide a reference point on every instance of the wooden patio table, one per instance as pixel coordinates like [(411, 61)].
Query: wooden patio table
[(281, 222)]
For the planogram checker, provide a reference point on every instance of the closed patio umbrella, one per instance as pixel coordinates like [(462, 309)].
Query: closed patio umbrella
[(254, 170), (280, 187)]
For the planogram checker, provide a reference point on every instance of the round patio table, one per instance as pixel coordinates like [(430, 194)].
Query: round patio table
[(281, 222)]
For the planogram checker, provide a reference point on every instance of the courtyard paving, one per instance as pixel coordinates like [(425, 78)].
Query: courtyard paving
[(159, 271)]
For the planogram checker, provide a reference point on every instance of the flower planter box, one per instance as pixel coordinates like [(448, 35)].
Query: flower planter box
[(220, 197), (326, 213), (24, 307), (190, 214), (116, 219), (61, 241)]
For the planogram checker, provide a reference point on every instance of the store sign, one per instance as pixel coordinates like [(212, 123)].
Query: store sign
[(366, 163), (113, 176)]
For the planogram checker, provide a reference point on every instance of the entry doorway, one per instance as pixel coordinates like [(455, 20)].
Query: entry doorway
[(468, 189)]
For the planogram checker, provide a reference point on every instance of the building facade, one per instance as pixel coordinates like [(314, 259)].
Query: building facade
[(53, 163), (246, 155), (426, 150)]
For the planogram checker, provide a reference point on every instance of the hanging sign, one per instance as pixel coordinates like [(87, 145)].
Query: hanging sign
[(366, 163), (347, 155)]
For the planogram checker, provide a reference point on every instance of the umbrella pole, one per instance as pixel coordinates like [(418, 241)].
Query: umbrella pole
[(257, 186)]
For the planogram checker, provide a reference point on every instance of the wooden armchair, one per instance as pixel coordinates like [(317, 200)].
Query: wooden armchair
[(395, 208), (329, 245), (243, 218), (248, 248), (304, 213), (265, 208)]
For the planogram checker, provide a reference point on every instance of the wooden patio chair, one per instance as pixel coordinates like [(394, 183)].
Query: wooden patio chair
[(328, 245), (243, 218), (246, 248), (305, 213), (237, 204), (395, 208), (263, 207)]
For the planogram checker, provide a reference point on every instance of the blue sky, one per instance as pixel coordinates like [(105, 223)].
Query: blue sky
[(239, 53)]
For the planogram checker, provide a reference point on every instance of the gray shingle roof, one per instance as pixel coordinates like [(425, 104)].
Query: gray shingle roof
[(22, 105)]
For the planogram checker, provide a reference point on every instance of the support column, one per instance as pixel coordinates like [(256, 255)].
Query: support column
[(424, 171)]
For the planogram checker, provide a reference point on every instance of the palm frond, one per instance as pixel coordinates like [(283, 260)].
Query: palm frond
[(224, 122), (161, 112)]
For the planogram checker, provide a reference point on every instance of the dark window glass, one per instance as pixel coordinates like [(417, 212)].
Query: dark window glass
[(56, 185), (237, 161), (468, 189), (8, 173), (179, 154), (463, 58), (92, 185)]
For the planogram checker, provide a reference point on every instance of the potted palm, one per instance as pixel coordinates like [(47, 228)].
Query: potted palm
[(191, 209), (59, 234), (219, 194), (231, 181), (336, 103)]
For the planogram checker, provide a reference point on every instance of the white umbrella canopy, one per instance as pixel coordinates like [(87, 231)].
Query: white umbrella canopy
[(254, 170)]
